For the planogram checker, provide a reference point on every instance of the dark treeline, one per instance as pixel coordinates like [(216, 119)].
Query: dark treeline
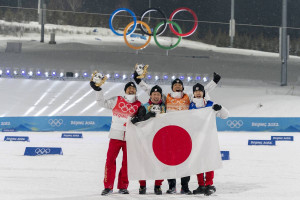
[(247, 13)]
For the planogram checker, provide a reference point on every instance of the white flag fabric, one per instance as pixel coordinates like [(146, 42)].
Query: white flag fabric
[(173, 145)]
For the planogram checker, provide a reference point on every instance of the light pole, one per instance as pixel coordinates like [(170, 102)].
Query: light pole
[(284, 46), (232, 24)]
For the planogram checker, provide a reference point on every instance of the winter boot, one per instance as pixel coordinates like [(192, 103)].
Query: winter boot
[(157, 190), (171, 190), (142, 190), (123, 191), (186, 191), (209, 189), (106, 191), (199, 190)]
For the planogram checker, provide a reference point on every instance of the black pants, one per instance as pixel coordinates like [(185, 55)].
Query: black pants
[(184, 182)]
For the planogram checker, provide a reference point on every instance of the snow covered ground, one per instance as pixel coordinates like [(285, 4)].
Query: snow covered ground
[(252, 173)]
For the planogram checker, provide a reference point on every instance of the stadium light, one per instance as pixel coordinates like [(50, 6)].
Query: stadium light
[(76, 75), (61, 74), (1, 71), (173, 77), (30, 73)]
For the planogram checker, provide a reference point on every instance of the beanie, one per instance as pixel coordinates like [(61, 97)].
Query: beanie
[(156, 88), (177, 80), (199, 87), (128, 85)]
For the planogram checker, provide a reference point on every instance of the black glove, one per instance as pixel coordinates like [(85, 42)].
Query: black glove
[(140, 115), (134, 120), (217, 77), (137, 80), (149, 115), (217, 107), (92, 84)]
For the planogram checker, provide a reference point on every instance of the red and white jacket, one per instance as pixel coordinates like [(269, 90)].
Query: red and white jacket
[(121, 110)]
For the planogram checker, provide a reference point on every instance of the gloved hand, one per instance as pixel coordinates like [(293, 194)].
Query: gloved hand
[(92, 84), (217, 78), (134, 119), (217, 107), (149, 115), (137, 80)]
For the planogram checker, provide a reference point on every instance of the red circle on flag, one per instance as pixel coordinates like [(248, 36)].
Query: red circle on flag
[(172, 145)]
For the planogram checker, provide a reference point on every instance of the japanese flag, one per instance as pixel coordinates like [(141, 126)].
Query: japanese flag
[(173, 145)]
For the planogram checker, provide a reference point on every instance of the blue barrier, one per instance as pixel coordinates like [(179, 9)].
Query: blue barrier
[(102, 123), (261, 142), (270, 124), (138, 36), (40, 151), (282, 138), (71, 135), (17, 138), (225, 155), (56, 123)]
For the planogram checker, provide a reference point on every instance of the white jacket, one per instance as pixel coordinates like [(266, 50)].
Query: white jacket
[(121, 110)]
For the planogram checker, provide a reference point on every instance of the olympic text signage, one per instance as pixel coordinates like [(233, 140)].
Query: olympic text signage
[(271, 124)]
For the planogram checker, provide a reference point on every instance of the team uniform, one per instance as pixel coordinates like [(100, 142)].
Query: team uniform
[(206, 182), (122, 108)]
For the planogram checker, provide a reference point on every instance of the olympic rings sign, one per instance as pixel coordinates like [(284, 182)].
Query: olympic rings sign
[(42, 151), (235, 123), (157, 31), (55, 122)]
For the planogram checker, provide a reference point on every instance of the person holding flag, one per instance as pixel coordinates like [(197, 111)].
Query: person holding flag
[(152, 108), (177, 100), (198, 102), (122, 108)]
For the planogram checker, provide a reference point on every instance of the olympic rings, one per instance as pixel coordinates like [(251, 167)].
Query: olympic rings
[(156, 31), (116, 12), (163, 15), (195, 22), (171, 46), (137, 47)]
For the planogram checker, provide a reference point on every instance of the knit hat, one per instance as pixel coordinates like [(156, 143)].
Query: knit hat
[(128, 85), (156, 88), (177, 80), (199, 87)]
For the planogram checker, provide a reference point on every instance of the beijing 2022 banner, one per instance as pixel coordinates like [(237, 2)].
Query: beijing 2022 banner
[(103, 123), (56, 123), (270, 124)]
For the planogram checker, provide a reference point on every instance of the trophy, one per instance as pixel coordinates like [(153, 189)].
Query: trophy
[(141, 70), (98, 78)]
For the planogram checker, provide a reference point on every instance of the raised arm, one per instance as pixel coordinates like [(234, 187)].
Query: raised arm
[(101, 101), (212, 84)]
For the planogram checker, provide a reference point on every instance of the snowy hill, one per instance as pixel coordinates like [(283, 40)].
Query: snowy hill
[(21, 97)]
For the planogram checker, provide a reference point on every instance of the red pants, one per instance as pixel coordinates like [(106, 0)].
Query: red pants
[(110, 165), (157, 183), (209, 176)]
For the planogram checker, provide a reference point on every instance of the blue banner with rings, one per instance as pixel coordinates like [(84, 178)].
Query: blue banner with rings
[(102, 123), (56, 123), (269, 124)]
